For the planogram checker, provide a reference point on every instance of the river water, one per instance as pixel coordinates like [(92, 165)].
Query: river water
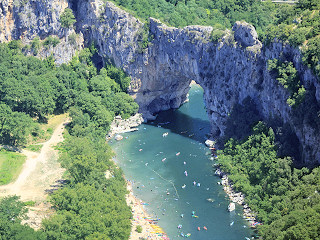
[(158, 166)]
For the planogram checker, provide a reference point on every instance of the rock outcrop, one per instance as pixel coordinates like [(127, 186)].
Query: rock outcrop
[(229, 70), (25, 20)]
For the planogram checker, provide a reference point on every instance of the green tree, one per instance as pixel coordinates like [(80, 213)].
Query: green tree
[(67, 18)]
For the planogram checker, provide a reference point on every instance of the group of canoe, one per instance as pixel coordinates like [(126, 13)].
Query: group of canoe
[(157, 230)]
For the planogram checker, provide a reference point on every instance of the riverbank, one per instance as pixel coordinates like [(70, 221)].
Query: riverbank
[(120, 125), (140, 217), (236, 197)]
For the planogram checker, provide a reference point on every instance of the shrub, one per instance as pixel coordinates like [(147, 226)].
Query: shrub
[(139, 229), (73, 39), (35, 45), (51, 41)]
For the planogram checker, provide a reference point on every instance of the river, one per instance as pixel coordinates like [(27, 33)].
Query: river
[(164, 169)]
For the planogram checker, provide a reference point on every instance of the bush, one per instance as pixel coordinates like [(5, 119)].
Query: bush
[(35, 45), (51, 41), (311, 55), (216, 34), (299, 36), (73, 39), (139, 229), (287, 76)]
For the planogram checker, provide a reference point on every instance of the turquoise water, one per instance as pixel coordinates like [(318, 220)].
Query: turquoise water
[(153, 163)]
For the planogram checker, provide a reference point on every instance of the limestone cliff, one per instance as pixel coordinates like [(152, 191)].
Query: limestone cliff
[(25, 20), (228, 70)]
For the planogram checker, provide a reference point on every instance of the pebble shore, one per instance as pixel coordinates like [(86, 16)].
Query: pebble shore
[(236, 197)]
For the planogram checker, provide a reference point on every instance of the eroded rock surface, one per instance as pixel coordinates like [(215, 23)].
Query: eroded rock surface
[(26, 20)]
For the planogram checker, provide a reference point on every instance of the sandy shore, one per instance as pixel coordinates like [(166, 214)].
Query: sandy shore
[(141, 217)]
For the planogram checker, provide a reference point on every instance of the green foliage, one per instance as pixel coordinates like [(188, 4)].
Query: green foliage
[(12, 211), (311, 56), (139, 229), (51, 41), (10, 165), (35, 45), (34, 147), (90, 206), (15, 126), (84, 158), (67, 18), (38, 88), (29, 203), (15, 44), (122, 79), (192, 12), (144, 37), (308, 4), (285, 199), (287, 76), (299, 25), (217, 33), (72, 38), (298, 36)]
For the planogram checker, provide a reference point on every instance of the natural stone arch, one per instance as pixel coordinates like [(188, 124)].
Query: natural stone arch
[(229, 70)]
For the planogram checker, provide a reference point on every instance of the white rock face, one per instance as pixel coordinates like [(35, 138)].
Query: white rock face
[(26, 20)]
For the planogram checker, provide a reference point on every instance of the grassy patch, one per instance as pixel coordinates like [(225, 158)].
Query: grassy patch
[(10, 166), (34, 147), (29, 203), (45, 130)]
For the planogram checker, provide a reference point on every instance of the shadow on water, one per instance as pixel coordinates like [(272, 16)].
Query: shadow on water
[(183, 124)]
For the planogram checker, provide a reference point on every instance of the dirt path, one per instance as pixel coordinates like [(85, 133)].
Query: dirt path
[(40, 172)]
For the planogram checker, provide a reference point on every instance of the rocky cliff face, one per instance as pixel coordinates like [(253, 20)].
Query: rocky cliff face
[(25, 20), (229, 70)]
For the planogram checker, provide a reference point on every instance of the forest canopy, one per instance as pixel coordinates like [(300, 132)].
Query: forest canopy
[(286, 199), (32, 88)]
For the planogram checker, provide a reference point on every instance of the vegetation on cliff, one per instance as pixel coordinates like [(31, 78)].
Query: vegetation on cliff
[(285, 199), (205, 12), (296, 24), (287, 76)]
